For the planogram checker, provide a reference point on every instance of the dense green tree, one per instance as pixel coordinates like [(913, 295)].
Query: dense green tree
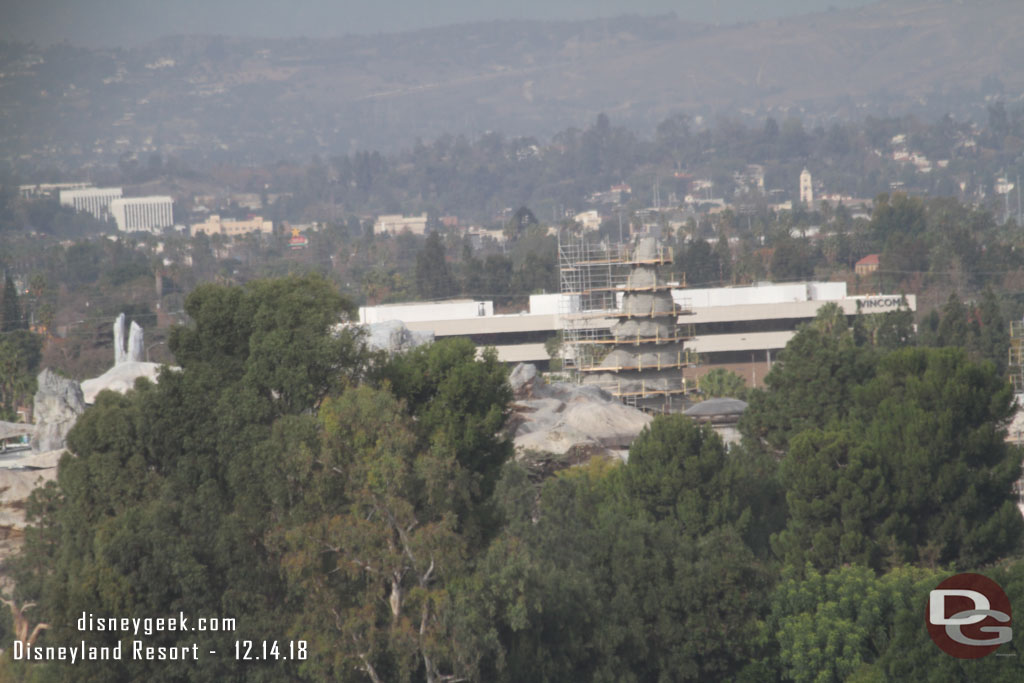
[(460, 405), (374, 560), (11, 315), (811, 383), (832, 626), (791, 260), (911, 655), (885, 331), (433, 276), (604, 577), (720, 382), (680, 471), (993, 335), (981, 329), (918, 471), (850, 624), (166, 506), (20, 354)]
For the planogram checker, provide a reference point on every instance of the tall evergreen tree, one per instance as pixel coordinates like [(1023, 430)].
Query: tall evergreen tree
[(433, 276), (13, 317), (918, 471)]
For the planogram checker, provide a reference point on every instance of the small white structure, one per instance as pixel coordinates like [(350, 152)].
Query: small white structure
[(143, 213)]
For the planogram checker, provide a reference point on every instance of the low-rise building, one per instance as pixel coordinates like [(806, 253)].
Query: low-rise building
[(394, 224), (518, 337), (867, 265), (743, 328), (216, 225)]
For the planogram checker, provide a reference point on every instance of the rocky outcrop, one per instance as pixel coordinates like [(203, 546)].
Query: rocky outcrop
[(119, 353), (135, 350), (119, 378), (15, 488), (58, 403), (394, 337), (136, 344), (558, 425)]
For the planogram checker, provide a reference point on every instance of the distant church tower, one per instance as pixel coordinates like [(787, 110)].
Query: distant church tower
[(806, 189)]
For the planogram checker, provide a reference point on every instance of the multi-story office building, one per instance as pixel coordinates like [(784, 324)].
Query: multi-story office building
[(738, 328), (142, 213), (94, 200)]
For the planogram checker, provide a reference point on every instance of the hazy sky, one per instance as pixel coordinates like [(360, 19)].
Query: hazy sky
[(130, 22)]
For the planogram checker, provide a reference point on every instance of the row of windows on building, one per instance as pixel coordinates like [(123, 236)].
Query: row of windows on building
[(131, 214)]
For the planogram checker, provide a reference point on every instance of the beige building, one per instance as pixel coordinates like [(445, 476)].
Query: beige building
[(216, 225), (396, 223)]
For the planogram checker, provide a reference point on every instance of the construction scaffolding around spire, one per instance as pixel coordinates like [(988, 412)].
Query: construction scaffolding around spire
[(1015, 366), (620, 327)]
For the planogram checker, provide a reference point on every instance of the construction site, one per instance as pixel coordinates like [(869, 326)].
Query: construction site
[(620, 323)]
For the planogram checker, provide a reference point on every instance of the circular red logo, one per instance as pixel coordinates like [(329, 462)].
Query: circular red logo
[(968, 616)]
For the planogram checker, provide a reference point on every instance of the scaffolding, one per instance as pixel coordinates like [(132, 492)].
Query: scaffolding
[(1015, 363), (619, 321)]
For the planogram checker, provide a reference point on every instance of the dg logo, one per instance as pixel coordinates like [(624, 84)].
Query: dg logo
[(969, 616)]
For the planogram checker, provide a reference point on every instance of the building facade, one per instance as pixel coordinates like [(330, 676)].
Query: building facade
[(216, 225), (48, 189), (738, 328), (394, 224), (94, 200), (143, 213)]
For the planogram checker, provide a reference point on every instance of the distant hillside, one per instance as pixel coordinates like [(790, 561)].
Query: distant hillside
[(207, 98)]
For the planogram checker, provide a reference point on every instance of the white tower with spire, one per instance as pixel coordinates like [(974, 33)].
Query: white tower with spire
[(806, 188)]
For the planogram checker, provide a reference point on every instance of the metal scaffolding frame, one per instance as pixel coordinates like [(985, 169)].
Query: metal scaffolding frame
[(1015, 366), (593, 278)]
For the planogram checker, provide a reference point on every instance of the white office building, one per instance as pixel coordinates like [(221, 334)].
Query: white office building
[(142, 213), (94, 200), (742, 329)]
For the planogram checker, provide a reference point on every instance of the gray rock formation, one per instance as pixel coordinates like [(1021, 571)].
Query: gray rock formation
[(136, 344), (58, 403), (136, 347), (394, 337), (119, 378), (523, 380), (15, 487), (119, 353), (558, 425)]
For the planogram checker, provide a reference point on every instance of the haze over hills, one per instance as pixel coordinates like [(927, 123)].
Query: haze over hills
[(131, 23), (204, 98)]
